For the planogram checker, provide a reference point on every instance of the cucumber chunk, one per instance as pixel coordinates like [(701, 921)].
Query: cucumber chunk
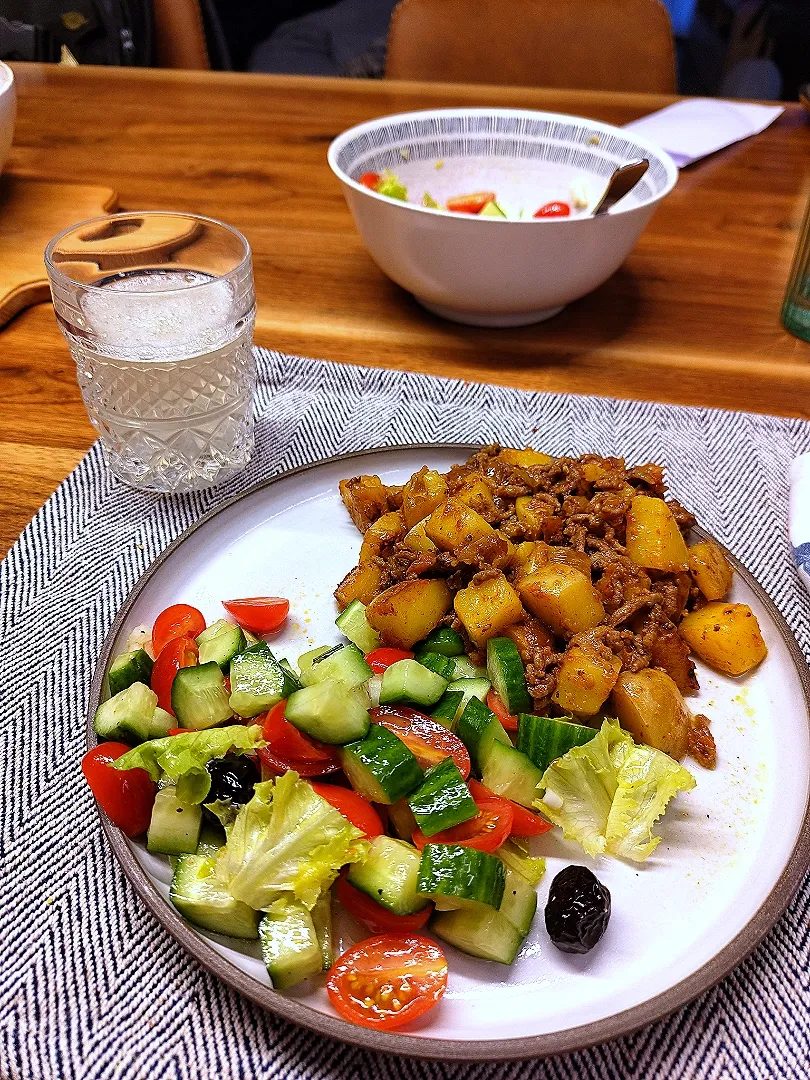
[(161, 723), (486, 934), (290, 947), (507, 675), (329, 712), (508, 772), (221, 642), (402, 820), (321, 916), (174, 829), (129, 668), (212, 838), (388, 874), (200, 898), (380, 766), (478, 727), (407, 682), (543, 739), (443, 640), (306, 660), (127, 716), (447, 708), (258, 681), (442, 665), (519, 902), (470, 688), (464, 668), (442, 800), (292, 674), (454, 876), (199, 697), (354, 625), (345, 664)]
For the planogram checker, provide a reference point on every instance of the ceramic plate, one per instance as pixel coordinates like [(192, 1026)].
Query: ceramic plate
[(733, 850)]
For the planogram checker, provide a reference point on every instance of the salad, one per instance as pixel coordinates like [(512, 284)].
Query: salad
[(513, 654)]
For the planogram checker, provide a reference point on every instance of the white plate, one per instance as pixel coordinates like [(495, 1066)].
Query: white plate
[(733, 850)]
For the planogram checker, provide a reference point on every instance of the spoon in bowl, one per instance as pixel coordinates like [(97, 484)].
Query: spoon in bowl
[(623, 180)]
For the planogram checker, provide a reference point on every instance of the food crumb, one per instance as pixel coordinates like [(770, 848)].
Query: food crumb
[(439, 165), (404, 154), (49, 900), (593, 140)]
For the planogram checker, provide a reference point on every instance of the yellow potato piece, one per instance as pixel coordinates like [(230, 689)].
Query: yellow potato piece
[(362, 583), (476, 494), (563, 598), (488, 608), (385, 530), (424, 491), (585, 678), (726, 636), (408, 611), (417, 539), (529, 557), (649, 705), (454, 525), (654, 540), (525, 458), (710, 570)]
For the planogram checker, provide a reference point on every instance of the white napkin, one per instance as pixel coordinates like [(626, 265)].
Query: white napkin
[(691, 129), (799, 515)]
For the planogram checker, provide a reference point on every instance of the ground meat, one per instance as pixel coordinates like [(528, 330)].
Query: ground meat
[(650, 474), (668, 650), (627, 647), (541, 677), (700, 742), (684, 518), (621, 581)]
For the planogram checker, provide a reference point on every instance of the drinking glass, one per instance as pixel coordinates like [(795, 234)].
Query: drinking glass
[(796, 308), (158, 312)]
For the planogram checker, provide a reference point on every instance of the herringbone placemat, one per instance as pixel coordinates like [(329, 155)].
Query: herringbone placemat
[(91, 987)]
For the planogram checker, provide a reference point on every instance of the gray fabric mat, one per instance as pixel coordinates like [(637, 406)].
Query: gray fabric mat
[(90, 985)]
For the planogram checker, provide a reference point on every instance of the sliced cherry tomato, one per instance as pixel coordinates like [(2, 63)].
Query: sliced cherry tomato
[(358, 810), (554, 209), (370, 180), (524, 822), (494, 703), (486, 832), (287, 748), (425, 737), (178, 653), (384, 982), (378, 919), (470, 204), (380, 659), (126, 797), (180, 730), (259, 614), (179, 620)]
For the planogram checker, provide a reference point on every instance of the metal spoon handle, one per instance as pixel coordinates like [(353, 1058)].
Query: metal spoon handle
[(623, 180)]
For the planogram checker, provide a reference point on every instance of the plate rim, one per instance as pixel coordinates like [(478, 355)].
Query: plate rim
[(568, 1040)]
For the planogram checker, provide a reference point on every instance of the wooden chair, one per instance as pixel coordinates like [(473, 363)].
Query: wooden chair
[(180, 35), (567, 44)]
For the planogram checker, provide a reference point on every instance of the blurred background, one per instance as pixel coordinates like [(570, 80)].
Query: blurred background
[(727, 48)]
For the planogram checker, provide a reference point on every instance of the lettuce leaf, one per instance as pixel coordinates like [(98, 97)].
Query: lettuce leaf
[(182, 758), (287, 841), (515, 854), (608, 794), (391, 185)]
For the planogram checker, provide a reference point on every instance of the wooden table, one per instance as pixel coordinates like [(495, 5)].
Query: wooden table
[(692, 317)]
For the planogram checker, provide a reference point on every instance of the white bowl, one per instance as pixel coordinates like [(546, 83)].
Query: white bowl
[(8, 111), (495, 271)]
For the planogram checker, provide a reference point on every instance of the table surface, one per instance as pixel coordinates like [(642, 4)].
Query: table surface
[(692, 317)]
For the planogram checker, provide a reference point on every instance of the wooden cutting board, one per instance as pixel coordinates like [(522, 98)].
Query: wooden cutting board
[(32, 212)]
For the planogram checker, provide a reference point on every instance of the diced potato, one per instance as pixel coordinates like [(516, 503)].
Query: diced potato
[(525, 458), (408, 611), (424, 491), (453, 525), (529, 557), (586, 676), (477, 494), (654, 540), (417, 539), (488, 608), (384, 531), (571, 557), (726, 636), (602, 469), (365, 497), (649, 705), (563, 598), (531, 517), (710, 569), (362, 583)]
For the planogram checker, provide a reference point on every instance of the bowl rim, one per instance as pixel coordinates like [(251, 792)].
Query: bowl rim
[(346, 136)]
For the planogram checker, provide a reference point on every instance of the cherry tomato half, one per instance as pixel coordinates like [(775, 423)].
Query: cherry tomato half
[(380, 659), (554, 209), (287, 748), (370, 180), (178, 653), (524, 822), (179, 620), (378, 919), (425, 737), (495, 704), (259, 614), (126, 797), (470, 204), (486, 832), (384, 982), (358, 810)]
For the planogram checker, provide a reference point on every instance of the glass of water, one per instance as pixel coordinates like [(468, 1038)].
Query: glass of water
[(158, 311)]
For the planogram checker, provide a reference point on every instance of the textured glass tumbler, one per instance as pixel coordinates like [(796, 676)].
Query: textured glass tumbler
[(796, 308), (158, 311)]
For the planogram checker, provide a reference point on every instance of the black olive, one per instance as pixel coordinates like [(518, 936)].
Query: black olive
[(232, 780), (578, 910)]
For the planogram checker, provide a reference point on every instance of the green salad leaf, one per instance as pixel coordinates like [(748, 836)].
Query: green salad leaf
[(608, 794), (183, 758), (391, 185), (515, 853), (429, 201), (286, 842)]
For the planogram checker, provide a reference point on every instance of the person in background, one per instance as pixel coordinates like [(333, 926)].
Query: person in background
[(245, 22)]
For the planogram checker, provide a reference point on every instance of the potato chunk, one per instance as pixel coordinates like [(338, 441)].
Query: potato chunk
[(383, 532), (586, 676), (525, 458), (362, 583), (365, 497), (710, 569), (529, 557), (477, 494), (408, 611), (417, 539), (454, 525), (563, 598), (649, 705), (424, 491), (726, 636), (654, 540), (488, 608)]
